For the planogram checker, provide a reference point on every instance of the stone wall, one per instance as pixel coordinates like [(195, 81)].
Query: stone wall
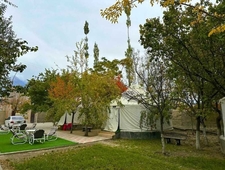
[(40, 117), (137, 135), (2, 117), (222, 143), (140, 135), (182, 120)]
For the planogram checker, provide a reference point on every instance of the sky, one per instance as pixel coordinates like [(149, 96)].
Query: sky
[(56, 26)]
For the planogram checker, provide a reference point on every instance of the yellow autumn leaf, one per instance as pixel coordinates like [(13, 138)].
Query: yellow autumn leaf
[(218, 29)]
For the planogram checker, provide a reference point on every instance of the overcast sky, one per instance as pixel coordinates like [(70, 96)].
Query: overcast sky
[(56, 25)]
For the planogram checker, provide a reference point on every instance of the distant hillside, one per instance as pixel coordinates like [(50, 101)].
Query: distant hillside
[(18, 82)]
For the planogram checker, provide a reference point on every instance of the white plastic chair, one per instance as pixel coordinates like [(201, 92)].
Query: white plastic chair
[(18, 137), (33, 126), (51, 135), (38, 135), (4, 129)]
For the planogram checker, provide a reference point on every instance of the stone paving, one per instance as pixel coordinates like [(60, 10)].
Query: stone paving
[(83, 139), (102, 135)]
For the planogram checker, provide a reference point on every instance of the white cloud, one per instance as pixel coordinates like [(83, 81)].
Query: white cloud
[(55, 27)]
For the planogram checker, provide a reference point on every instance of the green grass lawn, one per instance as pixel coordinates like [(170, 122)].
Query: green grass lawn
[(127, 155), (6, 146)]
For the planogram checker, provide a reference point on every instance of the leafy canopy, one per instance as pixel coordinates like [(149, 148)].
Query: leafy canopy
[(11, 48), (200, 9)]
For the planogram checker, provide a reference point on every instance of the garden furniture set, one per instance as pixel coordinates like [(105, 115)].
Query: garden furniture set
[(22, 134), (4, 129)]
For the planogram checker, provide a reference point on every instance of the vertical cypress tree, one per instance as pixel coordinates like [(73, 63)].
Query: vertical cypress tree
[(129, 51), (96, 54), (86, 31)]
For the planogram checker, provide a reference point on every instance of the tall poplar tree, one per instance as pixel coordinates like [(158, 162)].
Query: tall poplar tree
[(129, 51), (86, 31), (96, 55)]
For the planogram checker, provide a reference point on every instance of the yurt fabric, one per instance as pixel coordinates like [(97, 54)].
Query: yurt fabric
[(112, 121), (127, 116), (67, 118)]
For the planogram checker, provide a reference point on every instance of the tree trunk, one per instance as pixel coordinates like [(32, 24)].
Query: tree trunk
[(13, 113), (204, 132), (71, 129), (32, 117), (198, 132), (163, 144), (192, 125), (162, 135), (218, 124), (86, 130)]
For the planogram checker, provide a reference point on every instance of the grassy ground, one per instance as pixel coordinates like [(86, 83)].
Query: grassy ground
[(123, 155), (7, 147), (126, 155)]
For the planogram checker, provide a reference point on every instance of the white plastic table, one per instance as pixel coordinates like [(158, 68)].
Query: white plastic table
[(29, 131)]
